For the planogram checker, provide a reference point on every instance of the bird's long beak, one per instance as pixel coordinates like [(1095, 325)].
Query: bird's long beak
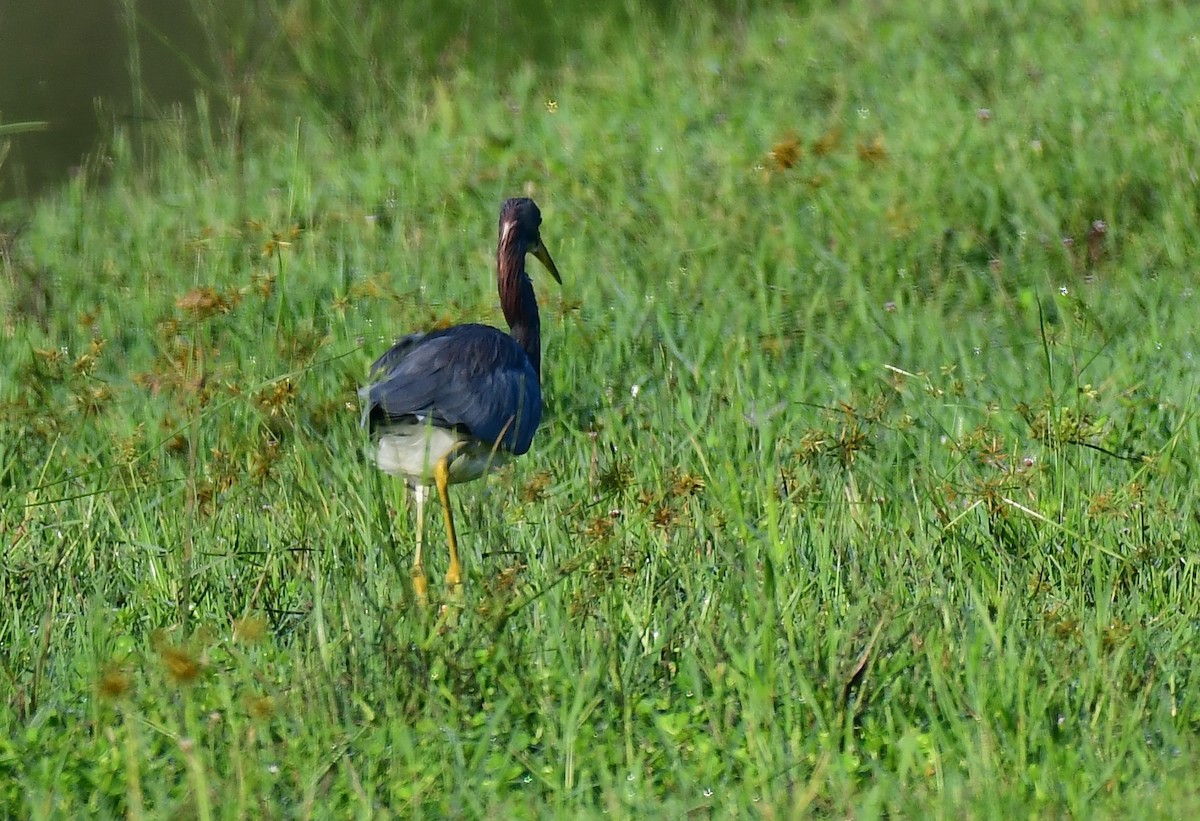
[(542, 254)]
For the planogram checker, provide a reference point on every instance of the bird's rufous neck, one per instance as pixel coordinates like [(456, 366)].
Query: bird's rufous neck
[(516, 294)]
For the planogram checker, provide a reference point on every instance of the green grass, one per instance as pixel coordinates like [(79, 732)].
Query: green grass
[(866, 483)]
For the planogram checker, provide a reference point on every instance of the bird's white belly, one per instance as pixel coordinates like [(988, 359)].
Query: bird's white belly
[(412, 451)]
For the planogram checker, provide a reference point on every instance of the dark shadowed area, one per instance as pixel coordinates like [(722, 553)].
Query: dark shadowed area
[(67, 63)]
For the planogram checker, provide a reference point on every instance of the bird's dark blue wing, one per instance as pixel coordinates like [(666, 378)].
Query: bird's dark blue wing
[(393, 355), (472, 377)]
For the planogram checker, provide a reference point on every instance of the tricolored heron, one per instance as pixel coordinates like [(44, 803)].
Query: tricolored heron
[(450, 405)]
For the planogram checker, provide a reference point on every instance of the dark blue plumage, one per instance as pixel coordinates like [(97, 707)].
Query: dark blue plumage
[(472, 378), (448, 406)]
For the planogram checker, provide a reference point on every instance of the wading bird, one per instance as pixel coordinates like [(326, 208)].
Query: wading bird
[(450, 405)]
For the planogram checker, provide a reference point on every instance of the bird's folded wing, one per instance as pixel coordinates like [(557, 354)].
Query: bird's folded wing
[(480, 381)]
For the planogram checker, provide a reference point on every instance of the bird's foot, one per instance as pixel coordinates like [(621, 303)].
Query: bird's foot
[(420, 585), (448, 612), (454, 578)]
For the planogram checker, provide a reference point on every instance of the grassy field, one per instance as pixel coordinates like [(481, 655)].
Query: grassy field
[(865, 487)]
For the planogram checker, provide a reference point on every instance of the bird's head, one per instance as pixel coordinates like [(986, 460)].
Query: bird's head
[(520, 221)]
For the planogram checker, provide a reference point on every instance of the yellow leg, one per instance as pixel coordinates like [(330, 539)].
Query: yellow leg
[(441, 475), (420, 587)]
